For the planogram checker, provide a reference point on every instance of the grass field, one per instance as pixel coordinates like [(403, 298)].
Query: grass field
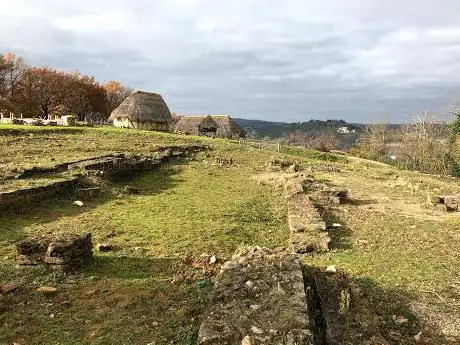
[(148, 290), (152, 290), (399, 248)]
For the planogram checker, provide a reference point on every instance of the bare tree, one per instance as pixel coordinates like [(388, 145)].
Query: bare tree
[(372, 142), (425, 145)]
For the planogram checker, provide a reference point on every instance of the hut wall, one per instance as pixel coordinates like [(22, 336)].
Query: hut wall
[(147, 125), (122, 123)]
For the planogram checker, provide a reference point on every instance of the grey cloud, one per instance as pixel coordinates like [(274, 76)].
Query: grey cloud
[(284, 61)]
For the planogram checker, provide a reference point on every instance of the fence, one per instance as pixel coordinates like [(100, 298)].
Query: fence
[(261, 144)]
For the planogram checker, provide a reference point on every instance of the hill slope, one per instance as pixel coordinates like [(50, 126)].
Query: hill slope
[(402, 253), (278, 129)]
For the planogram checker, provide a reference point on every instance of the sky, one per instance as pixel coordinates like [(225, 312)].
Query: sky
[(285, 60)]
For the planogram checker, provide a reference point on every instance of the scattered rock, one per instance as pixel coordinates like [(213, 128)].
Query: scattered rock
[(90, 292), (363, 242), (52, 316), (131, 190), (418, 337), (78, 203), (399, 320), (292, 168), (64, 250), (256, 330), (230, 265), (47, 290), (212, 260), (155, 324), (104, 247), (247, 340), (249, 284), (331, 269), (435, 199), (224, 161), (10, 287)]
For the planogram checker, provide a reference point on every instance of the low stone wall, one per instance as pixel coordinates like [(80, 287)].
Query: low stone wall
[(59, 168), (104, 161), (259, 298), (322, 194), (109, 166), (307, 229), (119, 166), (128, 165), (36, 194)]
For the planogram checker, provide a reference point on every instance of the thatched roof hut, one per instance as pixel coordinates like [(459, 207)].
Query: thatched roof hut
[(221, 126), (142, 110)]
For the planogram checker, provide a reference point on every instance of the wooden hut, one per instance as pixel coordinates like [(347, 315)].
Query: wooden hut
[(142, 110), (221, 126)]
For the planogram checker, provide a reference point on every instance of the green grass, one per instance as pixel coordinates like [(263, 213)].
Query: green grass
[(184, 210), (403, 252), (395, 246), (26, 147), (312, 154)]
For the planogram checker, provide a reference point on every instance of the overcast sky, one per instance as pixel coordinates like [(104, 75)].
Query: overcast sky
[(285, 60)]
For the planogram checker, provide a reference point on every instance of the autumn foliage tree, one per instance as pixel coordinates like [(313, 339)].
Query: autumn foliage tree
[(116, 93), (11, 71), (45, 92)]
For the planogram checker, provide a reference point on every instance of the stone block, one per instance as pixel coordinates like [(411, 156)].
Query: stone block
[(69, 250), (259, 298)]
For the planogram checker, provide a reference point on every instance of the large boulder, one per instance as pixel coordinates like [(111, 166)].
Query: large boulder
[(67, 250)]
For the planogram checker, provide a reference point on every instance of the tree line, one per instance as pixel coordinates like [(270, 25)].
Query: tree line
[(42, 92)]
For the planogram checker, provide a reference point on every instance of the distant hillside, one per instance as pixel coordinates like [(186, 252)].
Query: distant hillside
[(345, 133), (279, 129)]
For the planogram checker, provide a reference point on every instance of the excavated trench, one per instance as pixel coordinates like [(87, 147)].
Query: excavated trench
[(267, 297)]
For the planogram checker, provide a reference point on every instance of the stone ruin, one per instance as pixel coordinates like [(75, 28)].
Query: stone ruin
[(121, 165), (305, 198), (224, 161), (90, 192), (37, 193), (281, 164), (107, 166), (259, 298), (307, 229), (326, 168), (63, 250), (451, 202), (128, 165), (323, 194)]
